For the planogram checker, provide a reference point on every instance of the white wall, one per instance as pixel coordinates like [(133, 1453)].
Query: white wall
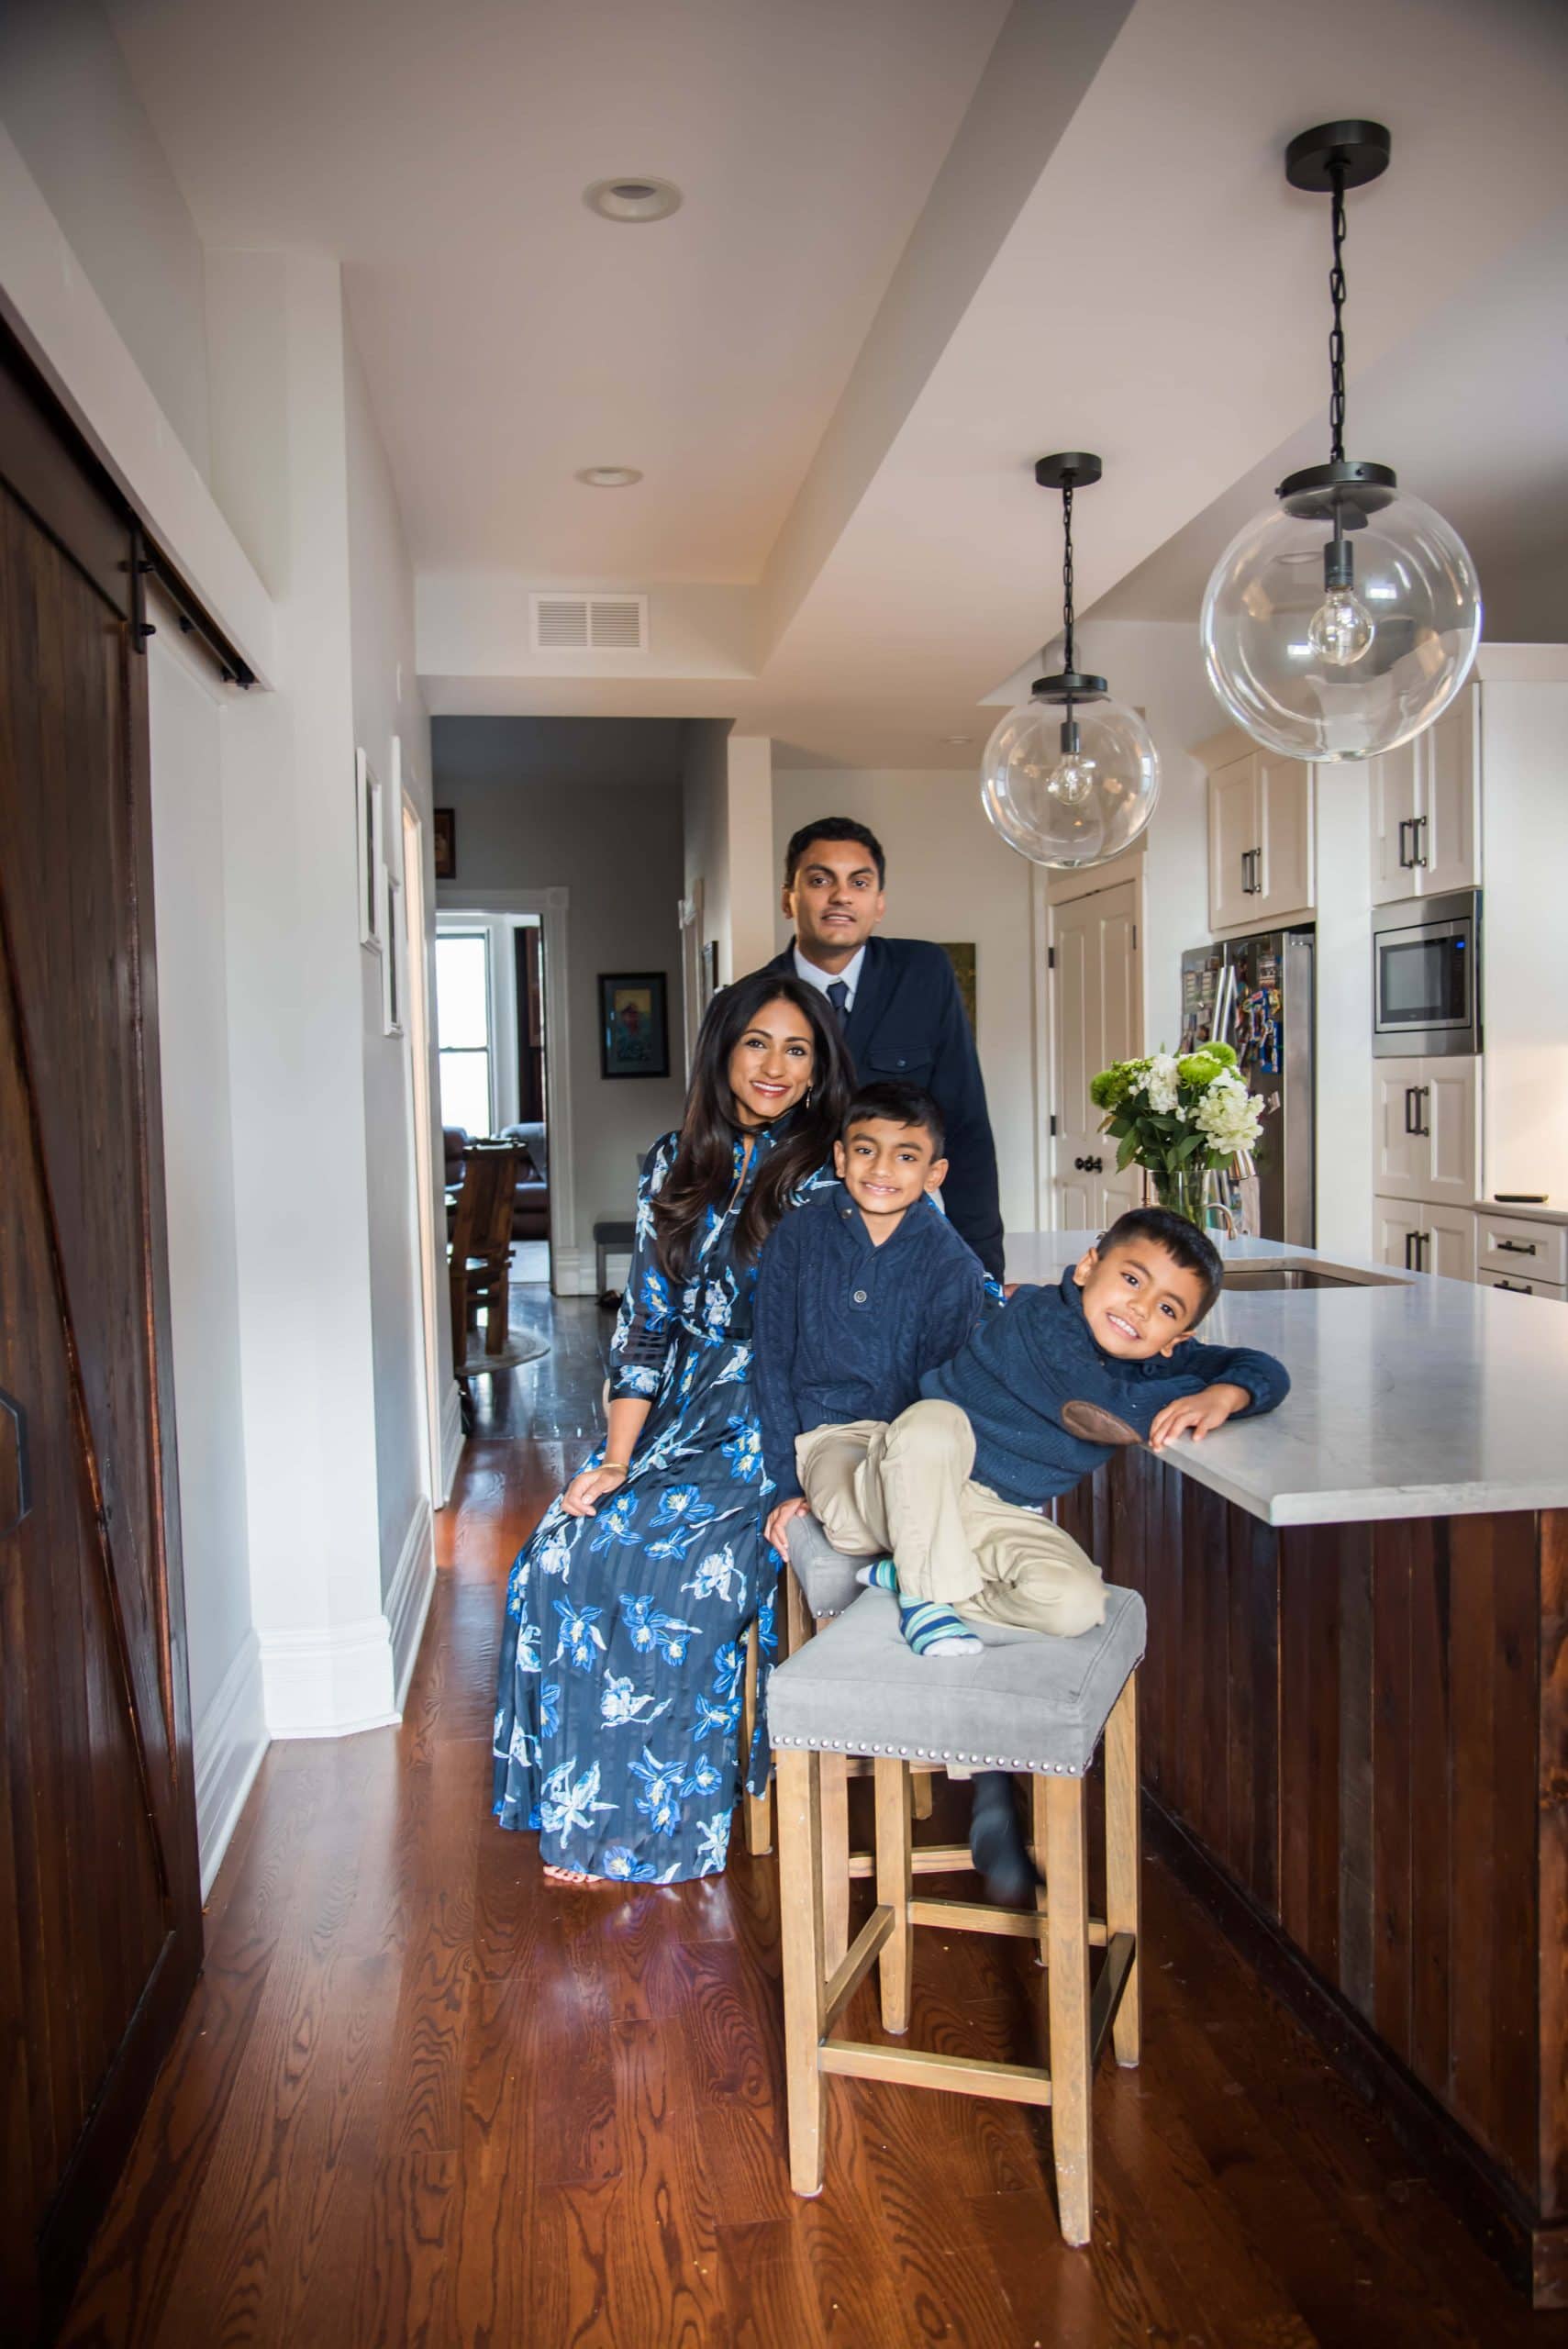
[(949, 878), (1524, 1004), (69, 103), (616, 848), (386, 707), (186, 711), (704, 806)]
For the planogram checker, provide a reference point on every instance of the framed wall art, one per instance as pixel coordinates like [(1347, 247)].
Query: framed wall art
[(444, 839), (634, 1028)]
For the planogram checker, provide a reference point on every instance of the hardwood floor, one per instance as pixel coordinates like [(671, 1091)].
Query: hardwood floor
[(420, 2098)]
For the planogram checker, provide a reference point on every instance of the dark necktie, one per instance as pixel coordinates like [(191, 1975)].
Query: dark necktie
[(838, 996)]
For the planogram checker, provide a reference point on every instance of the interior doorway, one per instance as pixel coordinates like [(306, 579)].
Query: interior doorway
[(427, 1221), (499, 1054), (1096, 1016)]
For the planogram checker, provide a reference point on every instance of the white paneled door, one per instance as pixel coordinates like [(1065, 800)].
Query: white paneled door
[(1097, 1017)]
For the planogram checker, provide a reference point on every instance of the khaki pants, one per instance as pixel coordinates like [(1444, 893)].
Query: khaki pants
[(903, 1488)]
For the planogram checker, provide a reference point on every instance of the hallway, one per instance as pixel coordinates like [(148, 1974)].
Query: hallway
[(419, 2100)]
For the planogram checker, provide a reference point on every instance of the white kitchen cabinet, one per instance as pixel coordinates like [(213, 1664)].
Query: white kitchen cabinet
[(1427, 1130), (1259, 842), (1548, 1289), (1423, 1237), (1521, 1248), (1425, 807), (1232, 828)]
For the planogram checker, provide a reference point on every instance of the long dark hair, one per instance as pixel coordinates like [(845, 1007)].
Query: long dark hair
[(703, 1176)]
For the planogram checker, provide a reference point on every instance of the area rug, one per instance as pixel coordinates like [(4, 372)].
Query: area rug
[(522, 1346)]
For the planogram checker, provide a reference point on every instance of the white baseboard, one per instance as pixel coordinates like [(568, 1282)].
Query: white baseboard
[(229, 1741), (330, 1680), (409, 1600), (572, 1272), (453, 1440)]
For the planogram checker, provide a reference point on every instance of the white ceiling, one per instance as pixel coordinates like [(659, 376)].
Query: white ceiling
[(510, 335), (921, 244)]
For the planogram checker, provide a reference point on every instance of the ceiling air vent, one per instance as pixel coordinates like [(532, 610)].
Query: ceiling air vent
[(589, 623)]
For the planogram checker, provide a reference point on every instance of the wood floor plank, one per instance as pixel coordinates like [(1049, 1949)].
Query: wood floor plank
[(422, 2096)]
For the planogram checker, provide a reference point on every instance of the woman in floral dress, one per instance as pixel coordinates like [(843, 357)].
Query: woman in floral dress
[(623, 1652)]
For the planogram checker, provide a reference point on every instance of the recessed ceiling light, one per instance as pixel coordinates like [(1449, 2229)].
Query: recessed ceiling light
[(957, 739), (633, 198), (610, 476)]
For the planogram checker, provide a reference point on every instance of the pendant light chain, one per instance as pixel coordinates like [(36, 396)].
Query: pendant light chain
[(1337, 331), (1069, 663)]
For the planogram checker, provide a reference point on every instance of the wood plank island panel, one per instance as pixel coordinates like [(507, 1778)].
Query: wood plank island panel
[(1362, 1731)]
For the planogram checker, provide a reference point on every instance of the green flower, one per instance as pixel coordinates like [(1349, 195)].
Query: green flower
[(1200, 1068), (1224, 1053)]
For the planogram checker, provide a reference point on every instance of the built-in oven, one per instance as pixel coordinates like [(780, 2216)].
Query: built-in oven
[(1425, 974)]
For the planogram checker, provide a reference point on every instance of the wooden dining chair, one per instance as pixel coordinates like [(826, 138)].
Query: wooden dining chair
[(482, 1246)]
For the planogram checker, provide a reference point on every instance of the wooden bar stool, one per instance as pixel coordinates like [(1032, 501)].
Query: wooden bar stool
[(820, 1586), (1025, 1704)]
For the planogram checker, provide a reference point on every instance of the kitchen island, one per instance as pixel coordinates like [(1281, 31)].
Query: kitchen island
[(1355, 1705)]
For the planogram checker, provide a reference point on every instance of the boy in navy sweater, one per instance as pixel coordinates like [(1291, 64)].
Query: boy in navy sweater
[(860, 1294), (956, 1488)]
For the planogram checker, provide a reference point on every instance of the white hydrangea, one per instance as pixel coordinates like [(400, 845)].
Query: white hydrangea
[(1159, 1083), (1228, 1116)]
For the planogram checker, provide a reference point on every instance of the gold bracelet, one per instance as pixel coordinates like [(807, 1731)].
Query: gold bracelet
[(623, 1467)]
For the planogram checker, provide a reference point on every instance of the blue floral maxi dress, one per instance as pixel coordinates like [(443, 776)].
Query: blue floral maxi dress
[(622, 1654)]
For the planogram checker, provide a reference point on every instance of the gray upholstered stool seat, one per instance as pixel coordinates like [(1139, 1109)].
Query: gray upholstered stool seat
[(826, 1575), (1024, 1703)]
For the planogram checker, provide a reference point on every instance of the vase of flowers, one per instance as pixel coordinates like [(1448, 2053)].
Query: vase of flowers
[(1181, 1117)]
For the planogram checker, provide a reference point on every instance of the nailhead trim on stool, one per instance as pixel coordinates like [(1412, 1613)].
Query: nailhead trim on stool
[(858, 1684)]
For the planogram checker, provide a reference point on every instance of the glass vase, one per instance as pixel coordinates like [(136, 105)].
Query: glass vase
[(1185, 1190)]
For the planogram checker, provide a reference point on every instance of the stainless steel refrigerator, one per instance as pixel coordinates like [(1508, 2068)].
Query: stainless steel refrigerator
[(1257, 993)]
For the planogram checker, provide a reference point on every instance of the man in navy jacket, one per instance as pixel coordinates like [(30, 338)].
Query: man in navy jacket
[(903, 1018)]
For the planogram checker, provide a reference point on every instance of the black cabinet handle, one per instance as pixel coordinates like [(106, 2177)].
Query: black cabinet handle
[(1404, 857), (1423, 1093), (1409, 1245), (17, 1417), (1081, 1165), (1520, 1288), (1417, 840), (1515, 1247), (1411, 1098)]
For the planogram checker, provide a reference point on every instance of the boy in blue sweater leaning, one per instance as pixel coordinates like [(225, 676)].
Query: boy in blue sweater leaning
[(860, 1294), (956, 1487)]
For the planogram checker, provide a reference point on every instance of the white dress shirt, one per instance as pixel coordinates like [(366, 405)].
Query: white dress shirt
[(823, 980)]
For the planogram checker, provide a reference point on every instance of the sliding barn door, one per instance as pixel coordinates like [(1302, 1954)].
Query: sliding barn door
[(100, 1919)]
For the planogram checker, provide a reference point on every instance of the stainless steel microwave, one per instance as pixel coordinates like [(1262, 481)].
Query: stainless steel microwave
[(1426, 975)]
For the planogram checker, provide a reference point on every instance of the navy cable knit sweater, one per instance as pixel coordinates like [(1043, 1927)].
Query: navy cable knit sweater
[(1021, 1365), (844, 1329)]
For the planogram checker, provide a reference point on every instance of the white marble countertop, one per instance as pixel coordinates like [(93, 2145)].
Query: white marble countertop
[(1528, 1212), (1419, 1398)]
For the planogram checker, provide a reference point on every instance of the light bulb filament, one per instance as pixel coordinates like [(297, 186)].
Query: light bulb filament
[(1072, 779)]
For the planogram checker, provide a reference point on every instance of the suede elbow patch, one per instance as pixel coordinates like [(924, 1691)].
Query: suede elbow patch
[(1092, 1424)]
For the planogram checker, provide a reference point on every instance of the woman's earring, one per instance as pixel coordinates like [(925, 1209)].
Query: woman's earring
[(806, 1104)]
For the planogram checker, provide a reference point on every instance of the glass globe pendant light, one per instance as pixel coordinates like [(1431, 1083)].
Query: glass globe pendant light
[(1071, 778), (1340, 622)]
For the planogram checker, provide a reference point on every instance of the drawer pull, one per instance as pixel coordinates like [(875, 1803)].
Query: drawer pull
[(1515, 1247), (1522, 1288)]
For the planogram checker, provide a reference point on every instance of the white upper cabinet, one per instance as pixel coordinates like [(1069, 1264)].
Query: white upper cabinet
[(1259, 842), (1424, 798)]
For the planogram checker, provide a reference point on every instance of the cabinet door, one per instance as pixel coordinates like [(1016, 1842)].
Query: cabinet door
[(1235, 880), (1448, 1114), (1284, 836), (1448, 1245), (1395, 807), (1395, 1223), (1401, 1149), (1446, 842)]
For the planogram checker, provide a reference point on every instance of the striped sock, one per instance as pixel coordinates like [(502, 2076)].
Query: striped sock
[(933, 1630), (881, 1574)]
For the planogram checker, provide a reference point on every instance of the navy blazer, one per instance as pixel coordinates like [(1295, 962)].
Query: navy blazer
[(907, 1023)]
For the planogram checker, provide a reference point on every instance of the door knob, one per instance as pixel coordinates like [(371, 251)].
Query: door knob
[(1081, 1165)]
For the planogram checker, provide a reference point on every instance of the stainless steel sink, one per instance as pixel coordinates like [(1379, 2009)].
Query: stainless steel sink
[(1278, 1274)]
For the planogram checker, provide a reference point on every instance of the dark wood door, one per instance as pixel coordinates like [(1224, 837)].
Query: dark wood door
[(100, 1917)]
